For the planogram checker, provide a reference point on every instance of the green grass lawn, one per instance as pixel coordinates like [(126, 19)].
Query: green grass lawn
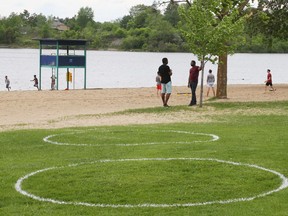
[(158, 169)]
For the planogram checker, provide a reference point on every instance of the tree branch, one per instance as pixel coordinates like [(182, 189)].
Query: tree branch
[(176, 1)]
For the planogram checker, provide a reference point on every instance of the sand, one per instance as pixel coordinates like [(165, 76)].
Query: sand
[(93, 107)]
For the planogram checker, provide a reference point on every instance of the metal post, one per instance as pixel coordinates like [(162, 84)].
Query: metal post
[(67, 74), (57, 65), (40, 67), (202, 80), (85, 66), (73, 77)]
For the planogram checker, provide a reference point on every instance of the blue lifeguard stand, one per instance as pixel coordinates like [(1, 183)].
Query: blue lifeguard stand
[(62, 60)]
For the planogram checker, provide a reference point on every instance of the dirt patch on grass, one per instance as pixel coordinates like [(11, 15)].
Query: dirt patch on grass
[(75, 108)]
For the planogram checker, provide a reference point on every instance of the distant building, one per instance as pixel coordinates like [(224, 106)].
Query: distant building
[(59, 26)]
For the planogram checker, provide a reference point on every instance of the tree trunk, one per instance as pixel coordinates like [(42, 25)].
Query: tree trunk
[(221, 91)]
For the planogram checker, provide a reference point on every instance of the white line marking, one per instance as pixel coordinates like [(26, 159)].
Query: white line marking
[(213, 138), (18, 185)]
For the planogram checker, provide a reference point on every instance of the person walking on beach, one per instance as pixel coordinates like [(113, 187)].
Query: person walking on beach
[(35, 80), (193, 81), (268, 81), (165, 73), (53, 79), (7, 83), (158, 84), (210, 82)]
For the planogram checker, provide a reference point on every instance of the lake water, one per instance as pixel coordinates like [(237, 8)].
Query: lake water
[(113, 69)]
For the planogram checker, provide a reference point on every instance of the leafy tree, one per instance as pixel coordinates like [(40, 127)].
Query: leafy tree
[(223, 10), (141, 15), (171, 13), (85, 15), (12, 26), (277, 12), (108, 35), (70, 34), (25, 15), (133, 43), (87, 32), (270, 21), (45, 31), (162, 37), (208, 36), (124, 22), (72, 23), (147, 29), (2, 30)]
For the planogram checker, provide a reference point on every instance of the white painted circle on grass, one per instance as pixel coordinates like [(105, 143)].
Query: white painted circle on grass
[(284, 184), (212, 138)]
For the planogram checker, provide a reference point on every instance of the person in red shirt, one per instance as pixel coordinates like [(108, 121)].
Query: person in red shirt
[(35, 80), (269, 81), (193, 81)]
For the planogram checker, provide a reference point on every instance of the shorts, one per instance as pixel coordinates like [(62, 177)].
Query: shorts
[(269, 84), (166, 88), (158, 86), (210, 84)]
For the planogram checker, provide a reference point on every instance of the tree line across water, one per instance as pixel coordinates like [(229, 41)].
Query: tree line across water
[(145, 28)]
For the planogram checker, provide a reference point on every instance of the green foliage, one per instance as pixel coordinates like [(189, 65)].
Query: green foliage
[(269, 21), (146, 28), (45, 31), (277, 12), (85, 15), (206, 33), (171, 14), (133, 43)]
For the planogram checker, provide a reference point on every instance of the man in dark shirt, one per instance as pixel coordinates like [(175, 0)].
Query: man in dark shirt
[(165, 73), (193, 81)]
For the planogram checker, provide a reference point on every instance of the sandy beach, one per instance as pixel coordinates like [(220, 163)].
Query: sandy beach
[(93, 107)]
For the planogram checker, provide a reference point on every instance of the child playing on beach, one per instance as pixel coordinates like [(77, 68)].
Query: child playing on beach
[(158, 83), (7, 82), (35, 80), (53, 79), (268, 81), (210, 82)]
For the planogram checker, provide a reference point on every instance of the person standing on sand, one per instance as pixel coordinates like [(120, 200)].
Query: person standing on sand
[(193, 81), (268, 81), (53, 79), (158, 84), (35, 80), (165, 73), (7, 83), (210, 82)]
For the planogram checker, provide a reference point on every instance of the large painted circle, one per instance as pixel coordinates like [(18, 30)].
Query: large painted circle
[(212, 137), (18, 185)]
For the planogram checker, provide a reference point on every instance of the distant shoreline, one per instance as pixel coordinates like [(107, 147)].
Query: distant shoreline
[(119, 50)]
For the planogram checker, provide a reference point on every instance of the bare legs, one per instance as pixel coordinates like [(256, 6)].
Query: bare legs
[(212, 91), (165, 98), (271, 88)]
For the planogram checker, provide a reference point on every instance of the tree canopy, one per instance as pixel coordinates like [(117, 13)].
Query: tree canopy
[(208, 34), (145, 28)]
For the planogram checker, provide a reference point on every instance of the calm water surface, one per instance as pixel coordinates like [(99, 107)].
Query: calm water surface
[(112, 69)]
